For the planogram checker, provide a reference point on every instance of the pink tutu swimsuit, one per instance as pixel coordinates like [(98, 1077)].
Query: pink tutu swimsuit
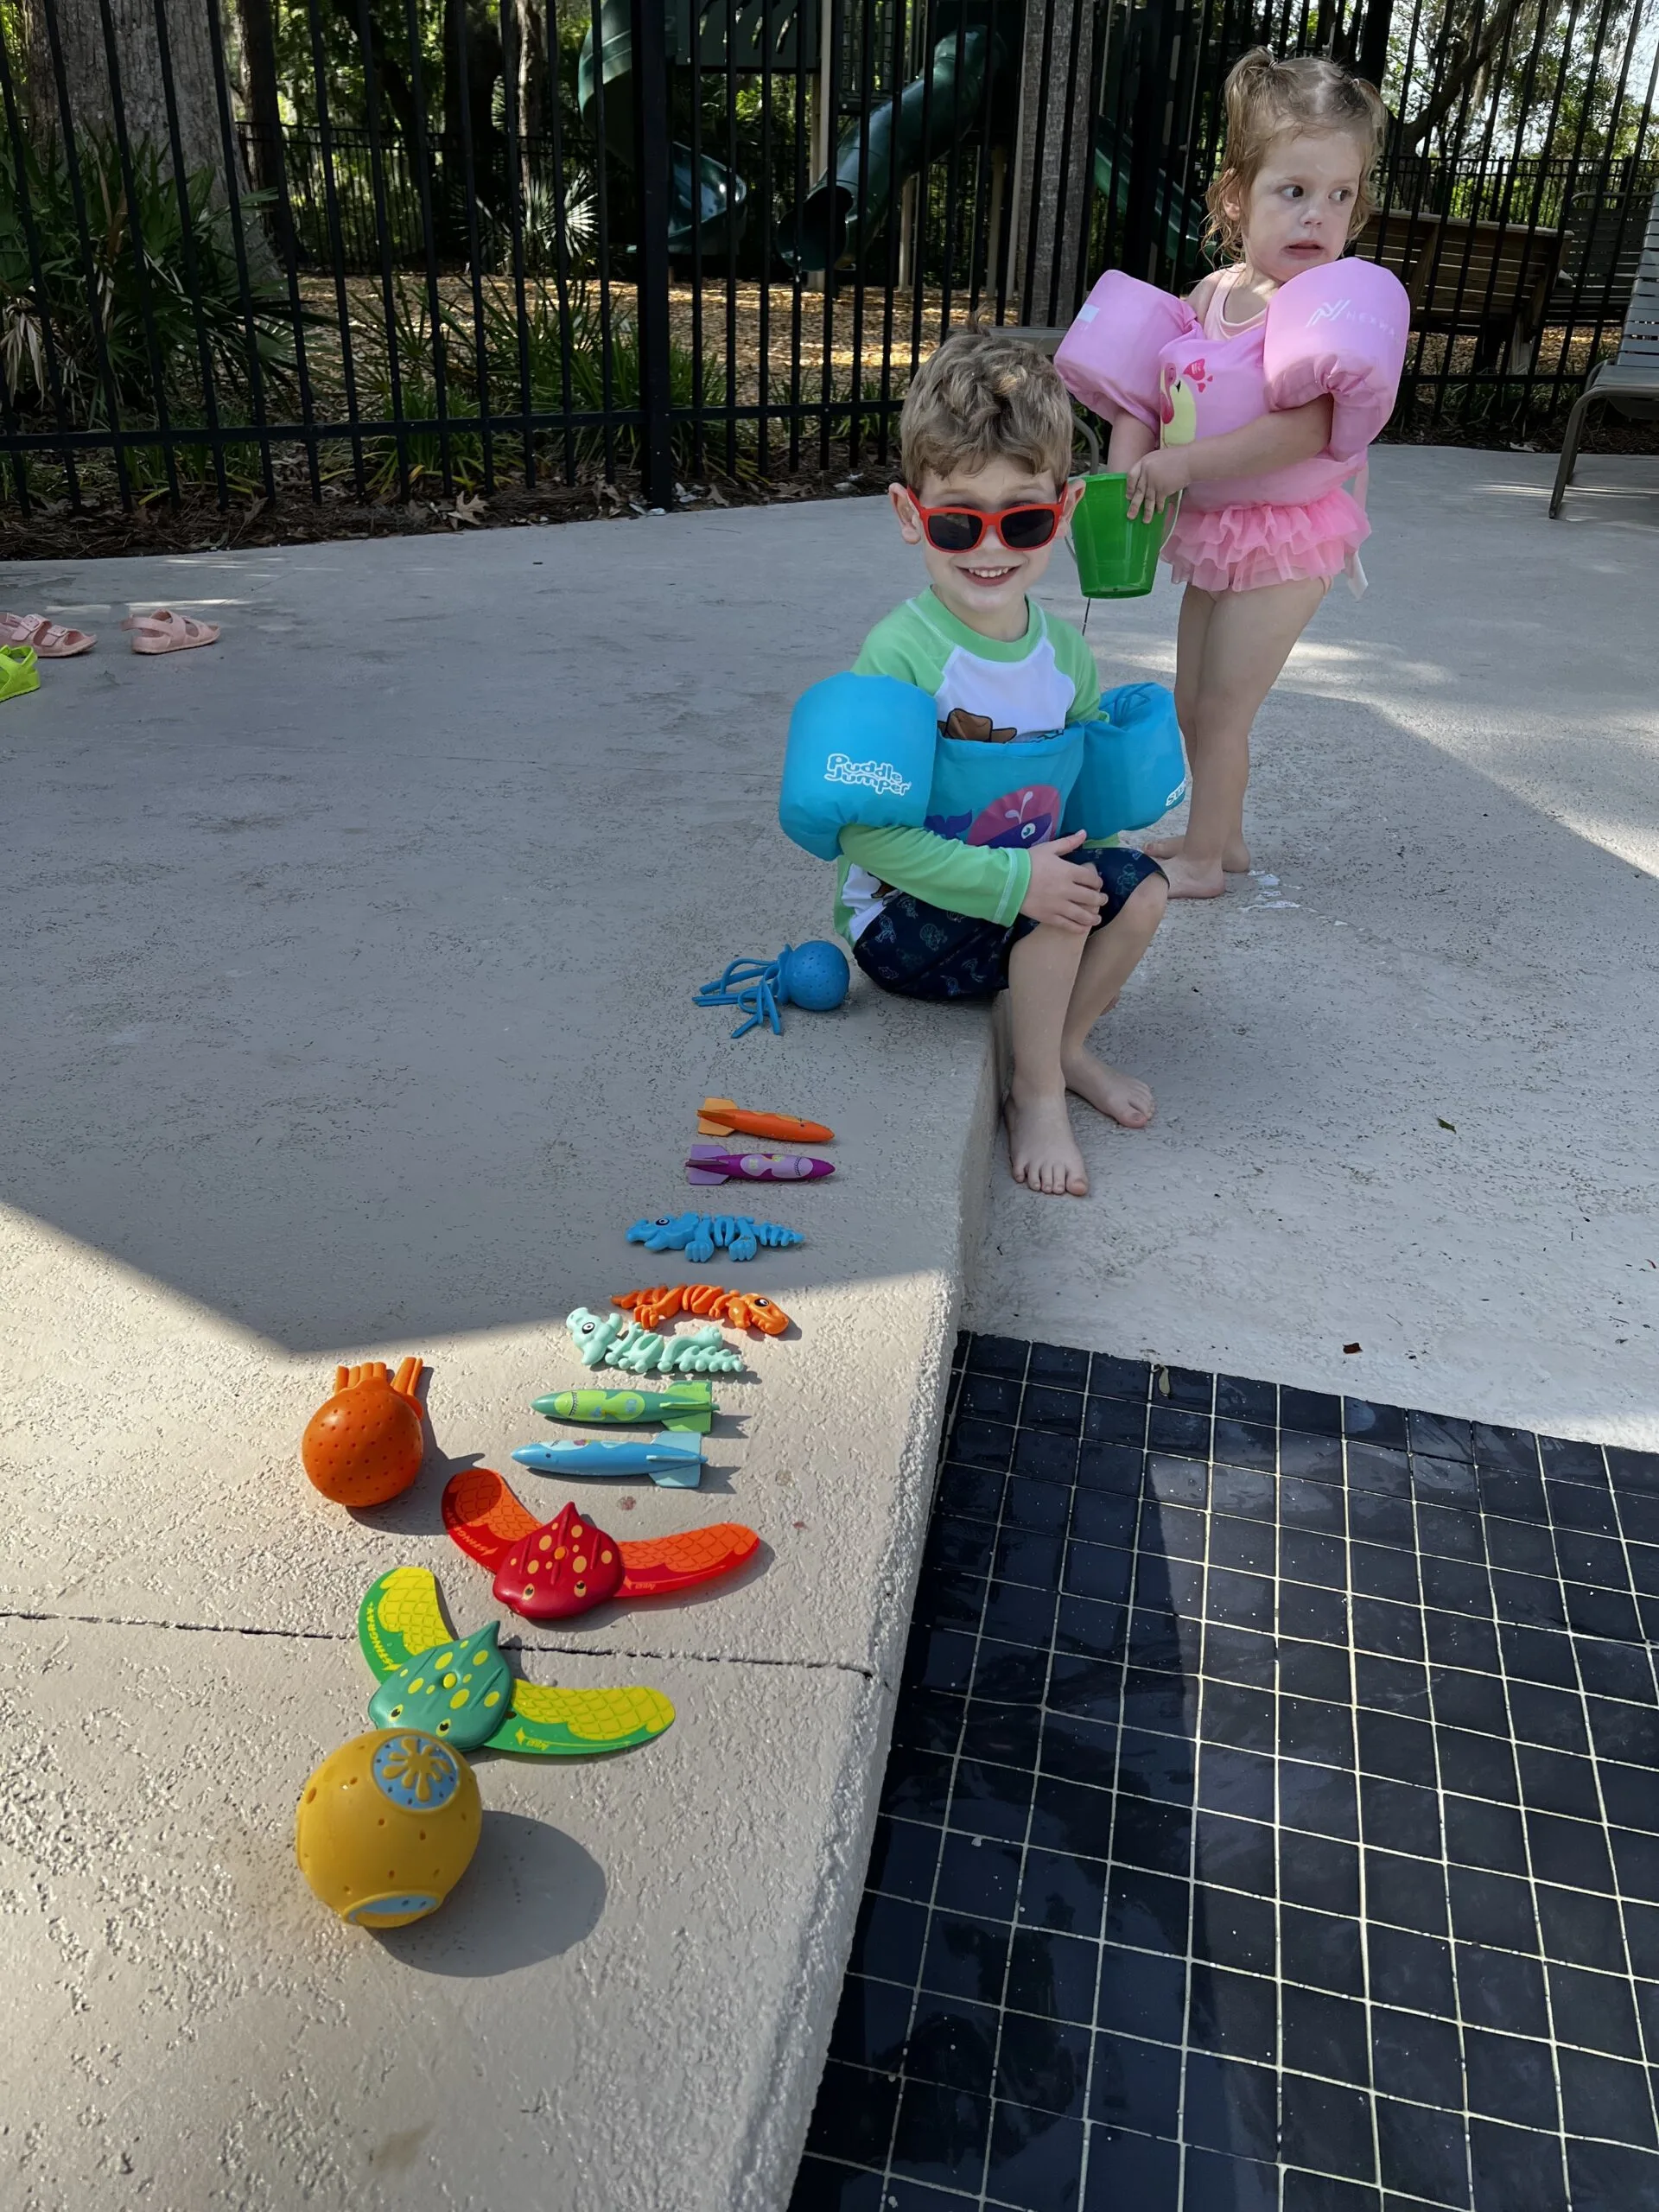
[(1338, 329), (1221, 543)]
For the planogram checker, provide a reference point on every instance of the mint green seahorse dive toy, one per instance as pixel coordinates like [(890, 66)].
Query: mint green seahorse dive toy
[(618, 1340)]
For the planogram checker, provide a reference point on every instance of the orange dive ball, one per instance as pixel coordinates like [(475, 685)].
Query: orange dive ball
[(365, 1444)]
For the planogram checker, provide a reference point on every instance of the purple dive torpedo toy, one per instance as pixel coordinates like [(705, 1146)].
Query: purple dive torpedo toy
[(712, 1163)]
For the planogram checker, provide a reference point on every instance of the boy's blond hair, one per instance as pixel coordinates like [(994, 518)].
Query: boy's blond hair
[(983, 396)]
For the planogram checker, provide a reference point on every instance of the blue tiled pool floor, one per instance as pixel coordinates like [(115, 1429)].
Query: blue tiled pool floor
[(1272, 1818)]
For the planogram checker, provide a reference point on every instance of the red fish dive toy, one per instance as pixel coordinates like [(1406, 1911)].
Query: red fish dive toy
[(553, 1570), (364, 1445)]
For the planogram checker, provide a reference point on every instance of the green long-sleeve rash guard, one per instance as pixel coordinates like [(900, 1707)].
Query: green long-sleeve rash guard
[(1040, 682)]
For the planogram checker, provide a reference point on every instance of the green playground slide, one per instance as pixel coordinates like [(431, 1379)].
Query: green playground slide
[(709, 218), (901, 138), (1179, 219), (849, 207)]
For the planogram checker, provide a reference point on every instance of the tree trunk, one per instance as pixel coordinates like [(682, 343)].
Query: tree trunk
[(1054, 157), (525, 60), (142, 29), (264, 114), (1466, 75)]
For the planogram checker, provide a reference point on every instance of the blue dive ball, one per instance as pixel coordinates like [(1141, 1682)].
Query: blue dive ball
[(815, 977)]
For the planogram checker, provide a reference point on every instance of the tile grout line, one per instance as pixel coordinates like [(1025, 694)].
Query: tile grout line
[(1198, 1770), (1094, 2030), (1453, 1960), (1526, 1831), (1650, 2057), (1353, 1709), (1031, 1806), (887, 2175)]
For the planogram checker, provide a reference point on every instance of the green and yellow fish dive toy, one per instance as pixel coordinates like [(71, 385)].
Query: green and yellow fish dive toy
[(681, 1405), (461, 1689)]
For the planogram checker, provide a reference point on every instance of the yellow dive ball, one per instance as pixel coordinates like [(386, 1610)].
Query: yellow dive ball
[(387, 1826)]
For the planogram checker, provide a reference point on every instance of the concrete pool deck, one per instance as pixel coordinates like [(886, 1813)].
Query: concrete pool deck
[(1406, 1073), (349, 1013), (349, 1016)]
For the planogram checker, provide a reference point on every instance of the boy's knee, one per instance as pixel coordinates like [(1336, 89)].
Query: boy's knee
[(1144, 908)]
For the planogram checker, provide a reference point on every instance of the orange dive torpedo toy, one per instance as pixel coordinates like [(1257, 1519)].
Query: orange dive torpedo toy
[(718, 1117), (552, 1570), (364, 1445)]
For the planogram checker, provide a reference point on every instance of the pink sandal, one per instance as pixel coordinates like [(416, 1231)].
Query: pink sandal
[(167, 632), (46, 639)]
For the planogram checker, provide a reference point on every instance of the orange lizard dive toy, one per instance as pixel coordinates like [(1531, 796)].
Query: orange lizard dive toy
[(740, 1309), (365, 1444), (718, 1117)]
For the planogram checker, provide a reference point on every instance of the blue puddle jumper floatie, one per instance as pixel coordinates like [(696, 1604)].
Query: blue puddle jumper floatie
[(868, 749)]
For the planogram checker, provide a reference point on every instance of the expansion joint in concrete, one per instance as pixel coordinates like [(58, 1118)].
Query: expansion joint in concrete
[(336, 1636)]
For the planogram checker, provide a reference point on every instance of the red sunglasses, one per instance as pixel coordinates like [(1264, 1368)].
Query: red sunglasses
[(1022, 528)]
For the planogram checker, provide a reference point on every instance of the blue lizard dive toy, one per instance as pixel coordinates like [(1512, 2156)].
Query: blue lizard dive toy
[(700, 1236)]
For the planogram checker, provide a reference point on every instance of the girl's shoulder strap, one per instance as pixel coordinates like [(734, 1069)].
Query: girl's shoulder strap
[(1215, 323)]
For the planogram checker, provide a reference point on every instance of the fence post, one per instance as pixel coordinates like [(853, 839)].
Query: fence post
[(649, 33), (1154, 29)]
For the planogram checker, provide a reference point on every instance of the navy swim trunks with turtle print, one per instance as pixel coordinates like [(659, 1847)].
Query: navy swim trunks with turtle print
[(918, 952)]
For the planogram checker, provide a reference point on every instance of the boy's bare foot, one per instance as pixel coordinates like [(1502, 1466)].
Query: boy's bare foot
[(1042, 1152), (1188, 880), (1122, 1098), (1234, 860)]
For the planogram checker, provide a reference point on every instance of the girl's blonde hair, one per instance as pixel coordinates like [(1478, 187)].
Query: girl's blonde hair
[(1268, 100)]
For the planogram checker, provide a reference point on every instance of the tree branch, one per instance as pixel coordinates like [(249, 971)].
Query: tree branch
[(1429, 118)]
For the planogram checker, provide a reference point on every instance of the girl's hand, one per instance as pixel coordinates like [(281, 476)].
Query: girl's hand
[(1154, 482)]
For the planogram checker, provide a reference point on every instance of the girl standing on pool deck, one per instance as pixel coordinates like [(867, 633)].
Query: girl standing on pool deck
[(1266, 520)]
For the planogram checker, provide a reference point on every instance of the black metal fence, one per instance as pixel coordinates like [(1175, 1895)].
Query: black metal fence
[(413, 247)]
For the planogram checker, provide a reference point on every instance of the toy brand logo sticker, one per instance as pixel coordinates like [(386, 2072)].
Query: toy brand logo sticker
[(880, 775), (1339, 310)]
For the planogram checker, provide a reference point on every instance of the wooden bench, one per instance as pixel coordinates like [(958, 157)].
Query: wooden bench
[(1493, 279)]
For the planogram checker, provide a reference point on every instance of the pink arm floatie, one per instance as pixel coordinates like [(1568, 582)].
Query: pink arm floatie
[(1339, 328), (1108, 359)]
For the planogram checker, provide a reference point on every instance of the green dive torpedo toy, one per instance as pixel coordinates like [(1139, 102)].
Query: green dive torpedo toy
[(681, 1405)]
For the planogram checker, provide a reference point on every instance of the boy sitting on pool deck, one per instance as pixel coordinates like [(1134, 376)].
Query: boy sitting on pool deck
[(964, 908)]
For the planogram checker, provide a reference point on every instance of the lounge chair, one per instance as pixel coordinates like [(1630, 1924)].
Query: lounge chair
[(1630, 381)]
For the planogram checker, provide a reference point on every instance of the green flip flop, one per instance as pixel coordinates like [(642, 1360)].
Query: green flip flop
[(19, 672)]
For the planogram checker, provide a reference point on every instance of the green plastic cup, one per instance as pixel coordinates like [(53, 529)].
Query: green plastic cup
[(1117, 558)]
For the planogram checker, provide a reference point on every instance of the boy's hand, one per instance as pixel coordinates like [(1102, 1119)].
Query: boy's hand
[(1064, 894), (1154, 482)]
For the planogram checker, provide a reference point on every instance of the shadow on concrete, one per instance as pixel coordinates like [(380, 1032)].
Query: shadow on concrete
[(320, 1195), (531, 1893), (345, 999)]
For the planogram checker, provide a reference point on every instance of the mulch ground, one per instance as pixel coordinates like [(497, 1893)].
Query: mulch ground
[(199, 525)]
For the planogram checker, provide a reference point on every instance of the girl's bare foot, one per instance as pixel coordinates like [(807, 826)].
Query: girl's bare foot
[(1122, 1098), (1234, 860), (1042, 1152), (1187, 880)]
